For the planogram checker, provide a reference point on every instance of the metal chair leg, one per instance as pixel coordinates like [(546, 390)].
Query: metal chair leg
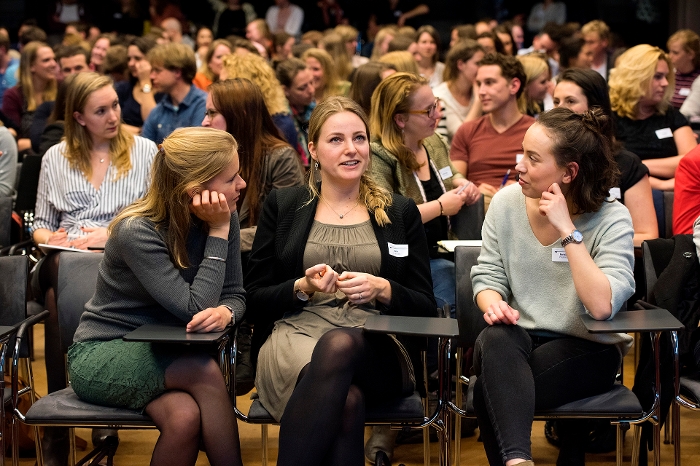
[(426, 411), (263, 437), (637, 430), (458, 402)]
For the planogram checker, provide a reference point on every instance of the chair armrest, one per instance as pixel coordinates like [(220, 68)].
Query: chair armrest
[(174, 333), (20, 245), (645, 320), (413, 326)]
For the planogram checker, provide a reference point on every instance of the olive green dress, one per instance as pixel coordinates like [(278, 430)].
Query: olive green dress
[(288, 349)]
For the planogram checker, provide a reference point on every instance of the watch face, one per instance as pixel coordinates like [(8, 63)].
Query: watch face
[(578, 237), (302, 296)]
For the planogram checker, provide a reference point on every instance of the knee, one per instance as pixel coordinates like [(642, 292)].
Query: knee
[(183, 421), (338, 350)]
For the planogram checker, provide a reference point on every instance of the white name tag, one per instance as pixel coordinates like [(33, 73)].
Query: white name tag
[(615, 193), (398, 250), (445, 172), (559, 255), (684, 91), (664, 133), (519, 157)]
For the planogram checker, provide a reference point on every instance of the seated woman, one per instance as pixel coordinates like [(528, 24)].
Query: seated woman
[(213, 64), (645, 122), (582, 89), (320, 265), (37, 84), (553, 249), (365, 80), (536, 87), (428, 40), (97, 170), (325, 76), (136, 96), (173, 256), (267, 161), (410, 159)]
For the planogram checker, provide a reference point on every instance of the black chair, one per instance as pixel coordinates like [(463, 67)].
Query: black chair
[(469, 220), (656, 257), (13, 287), (77, 277), (405, 413), (619, 405)]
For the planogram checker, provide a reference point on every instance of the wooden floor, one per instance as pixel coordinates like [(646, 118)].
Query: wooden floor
[(136, 445)]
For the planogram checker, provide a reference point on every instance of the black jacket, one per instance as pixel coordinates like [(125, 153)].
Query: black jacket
[(276, 261)]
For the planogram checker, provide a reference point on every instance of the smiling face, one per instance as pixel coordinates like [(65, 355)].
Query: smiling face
[(228, 182), (419, 125), (101, 115), (569, 95), (44, 65), (314, 66), (342, 150), (99, 51), (204, 37), (301, 93), (538, 168), (495, 91), (217, 58)]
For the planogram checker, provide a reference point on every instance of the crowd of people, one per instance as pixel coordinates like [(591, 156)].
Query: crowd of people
[(302, 180)]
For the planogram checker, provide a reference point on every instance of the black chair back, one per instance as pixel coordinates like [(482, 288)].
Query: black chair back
[(5, 221), (28, 183), (470, 318), (13, 293), (77, 278), (468, 221)]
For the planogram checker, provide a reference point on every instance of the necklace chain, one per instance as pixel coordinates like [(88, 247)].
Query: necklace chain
[(336, 212)]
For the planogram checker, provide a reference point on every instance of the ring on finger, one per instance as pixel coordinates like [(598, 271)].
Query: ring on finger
[(360, 295), (491, 314)]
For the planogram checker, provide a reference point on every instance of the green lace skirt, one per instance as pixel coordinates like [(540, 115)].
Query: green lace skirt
[(119, 373)]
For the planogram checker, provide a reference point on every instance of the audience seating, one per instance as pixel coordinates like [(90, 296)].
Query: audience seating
[(406, 413), (620, 404)]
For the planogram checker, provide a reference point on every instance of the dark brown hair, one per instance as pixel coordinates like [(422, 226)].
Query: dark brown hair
[(242, 105), (462, 51), (364, 81), (581, 138)]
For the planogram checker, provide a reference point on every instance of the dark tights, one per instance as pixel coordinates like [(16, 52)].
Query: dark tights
[(323, 422)]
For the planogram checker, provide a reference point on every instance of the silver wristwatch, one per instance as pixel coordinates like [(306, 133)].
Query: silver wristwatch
[(233, 314), (574, 237)]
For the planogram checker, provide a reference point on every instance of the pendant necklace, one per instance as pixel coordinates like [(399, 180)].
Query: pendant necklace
[(340, 215)]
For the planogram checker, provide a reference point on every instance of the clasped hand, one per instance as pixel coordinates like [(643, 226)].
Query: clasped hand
[(359, 287)]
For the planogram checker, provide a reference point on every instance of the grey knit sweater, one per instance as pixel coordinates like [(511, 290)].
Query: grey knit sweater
[(515, 264), (138, 283)]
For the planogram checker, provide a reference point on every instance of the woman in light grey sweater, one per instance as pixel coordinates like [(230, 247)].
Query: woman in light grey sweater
[(173, 256), (553, 249)]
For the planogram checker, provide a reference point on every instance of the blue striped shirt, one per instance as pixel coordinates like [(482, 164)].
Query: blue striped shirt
[(66, 199)]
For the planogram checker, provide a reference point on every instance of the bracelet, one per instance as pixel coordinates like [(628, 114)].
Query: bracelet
[(214, 258), (441, 211)]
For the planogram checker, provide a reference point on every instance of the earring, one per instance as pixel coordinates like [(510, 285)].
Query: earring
[(316, 165)]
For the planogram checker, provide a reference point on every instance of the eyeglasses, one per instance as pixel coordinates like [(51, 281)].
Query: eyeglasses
[(431, 111), (211, 114)]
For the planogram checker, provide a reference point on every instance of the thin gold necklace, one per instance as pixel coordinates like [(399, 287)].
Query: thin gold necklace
[(336, 212)]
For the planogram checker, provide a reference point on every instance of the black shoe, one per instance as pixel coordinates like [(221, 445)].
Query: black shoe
[(381, 459)]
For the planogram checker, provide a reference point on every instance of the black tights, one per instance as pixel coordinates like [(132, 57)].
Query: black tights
[(323, 422)]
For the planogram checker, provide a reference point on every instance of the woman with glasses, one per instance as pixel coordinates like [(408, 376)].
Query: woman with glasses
[(267, 160), (410, 159)]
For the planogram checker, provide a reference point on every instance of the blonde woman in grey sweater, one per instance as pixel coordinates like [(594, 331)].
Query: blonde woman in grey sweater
[(553, 248)]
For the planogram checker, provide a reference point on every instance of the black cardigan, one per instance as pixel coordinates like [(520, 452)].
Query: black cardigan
[(276, 261)]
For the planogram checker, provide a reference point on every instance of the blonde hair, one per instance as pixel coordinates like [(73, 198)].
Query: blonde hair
[(174, 56), (334, 44), (534, 66), (27, 59), (690, 41), (381, 37), (258, 70), (375, 198), (332, 84), (401, 61), (391, 97), (187, 159), (346, 32), (204, 69), (78, 138), (631, 78), (596, 26)]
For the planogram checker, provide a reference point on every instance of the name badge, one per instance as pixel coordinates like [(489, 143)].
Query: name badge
[(684, 91), (398, 250), (664, 133), (559, 255), (519, 157), (445, 172), (615, 193)]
